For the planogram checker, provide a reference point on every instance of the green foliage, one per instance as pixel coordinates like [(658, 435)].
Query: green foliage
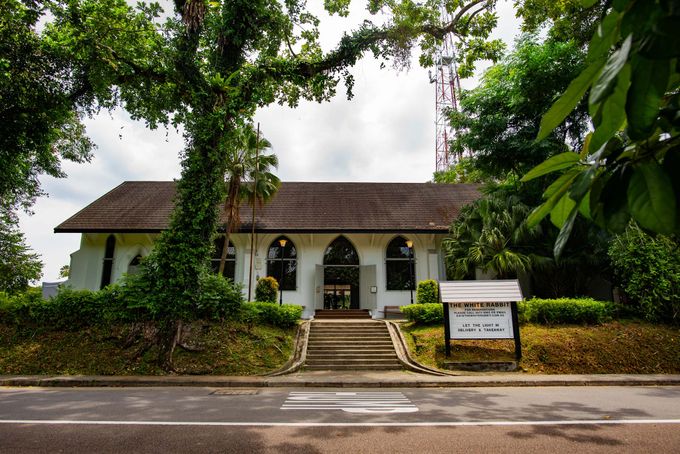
[(271, 313), (563, 311), (220, 298), (423, 314), (647, 269), (125, 302), (266, 290), (464, 171), (629, 166), (491, 234), (567, 19), (427, 292), (18, 265), (246, 159), (39, 124), (498, 120)]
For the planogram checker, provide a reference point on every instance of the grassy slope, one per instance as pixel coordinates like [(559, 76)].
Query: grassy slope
[(615, 347), (229, 349)]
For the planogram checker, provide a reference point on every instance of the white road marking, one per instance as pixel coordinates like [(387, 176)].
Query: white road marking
[(576, 422), (350, 402)]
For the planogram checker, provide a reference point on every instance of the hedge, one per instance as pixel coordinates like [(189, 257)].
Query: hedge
[(577, 311), (266, 290), (423, 314), (117, 303), (271, 313)]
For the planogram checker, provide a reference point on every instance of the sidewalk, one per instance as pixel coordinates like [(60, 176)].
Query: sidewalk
[(367, 379)]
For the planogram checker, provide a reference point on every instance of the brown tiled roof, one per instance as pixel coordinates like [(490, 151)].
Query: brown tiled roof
[(145, 206)]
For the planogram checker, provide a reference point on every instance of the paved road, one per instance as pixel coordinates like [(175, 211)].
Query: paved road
[(593, 419)]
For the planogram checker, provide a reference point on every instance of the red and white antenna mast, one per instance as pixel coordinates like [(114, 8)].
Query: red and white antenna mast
[(447, 90)]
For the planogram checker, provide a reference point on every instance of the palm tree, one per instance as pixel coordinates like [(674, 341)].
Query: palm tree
[(245, 164), (491, 234)]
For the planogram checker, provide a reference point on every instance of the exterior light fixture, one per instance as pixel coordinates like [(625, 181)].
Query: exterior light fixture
[(282, 242), (409, 245)]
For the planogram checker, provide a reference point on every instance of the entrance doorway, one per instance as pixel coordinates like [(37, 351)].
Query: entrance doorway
[(341, 275)]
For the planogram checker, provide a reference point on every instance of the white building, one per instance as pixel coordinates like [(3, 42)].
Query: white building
[(346, 244)]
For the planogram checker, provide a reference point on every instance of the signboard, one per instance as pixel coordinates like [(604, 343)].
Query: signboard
[(481, 310), (490, 320)]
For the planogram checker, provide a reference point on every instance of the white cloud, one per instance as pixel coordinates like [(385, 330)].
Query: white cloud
[(386, 133)]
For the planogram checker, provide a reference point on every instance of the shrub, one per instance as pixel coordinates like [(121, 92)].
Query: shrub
[(424, 314), (220, 298), (266, 290), (271, 313), (565, 311), (647, 269), (427, 292), (23, 307)]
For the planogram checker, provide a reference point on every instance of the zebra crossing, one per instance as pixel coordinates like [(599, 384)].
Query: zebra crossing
[(350, 402)]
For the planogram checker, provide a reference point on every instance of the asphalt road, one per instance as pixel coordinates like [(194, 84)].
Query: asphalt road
[(554, 419)]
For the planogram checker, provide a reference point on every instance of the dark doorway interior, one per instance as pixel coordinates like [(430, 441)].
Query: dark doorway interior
[(341, 275), (341, 287)]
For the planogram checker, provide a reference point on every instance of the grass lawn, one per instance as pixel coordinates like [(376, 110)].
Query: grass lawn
[(617, 347), (226, 349)]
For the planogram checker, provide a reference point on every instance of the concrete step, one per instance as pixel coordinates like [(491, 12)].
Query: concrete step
[(354, 355), (349, 343), (340, 349), (352, 367), (348, 361), (349, 338)]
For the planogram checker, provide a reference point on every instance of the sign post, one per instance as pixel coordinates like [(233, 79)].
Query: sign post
[(475, 310)]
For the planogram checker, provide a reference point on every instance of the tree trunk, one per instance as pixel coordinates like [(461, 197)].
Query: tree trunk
[(168, 336), (231, 206)]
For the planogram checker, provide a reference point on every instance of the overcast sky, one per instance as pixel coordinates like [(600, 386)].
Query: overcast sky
[(386, 133)]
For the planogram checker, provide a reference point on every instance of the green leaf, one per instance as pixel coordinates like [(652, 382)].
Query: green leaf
[(648, 86), (664, 42), (565, 179), (605, 83), (565, 233), (651, 198), (613, 112), (562, 210), (582, 183), (557, 162), (610, 201), (554, 193), (584, 206), (604, 37), (588, 3), (569, 99)]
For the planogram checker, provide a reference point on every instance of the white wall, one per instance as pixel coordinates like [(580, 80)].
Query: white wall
[(87, 262)]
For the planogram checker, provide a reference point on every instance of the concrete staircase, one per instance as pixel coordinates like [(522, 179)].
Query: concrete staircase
[(350, 345), (341, 313)]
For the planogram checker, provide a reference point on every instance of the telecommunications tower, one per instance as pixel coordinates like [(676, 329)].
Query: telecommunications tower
[(447, 90)]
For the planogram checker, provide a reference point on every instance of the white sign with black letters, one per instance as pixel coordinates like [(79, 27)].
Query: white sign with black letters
[(488, 320)]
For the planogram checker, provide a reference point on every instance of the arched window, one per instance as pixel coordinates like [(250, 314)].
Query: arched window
[(229, 263), (133, 266), (340, 252), (400, 264), (108, 261), (283, 255)]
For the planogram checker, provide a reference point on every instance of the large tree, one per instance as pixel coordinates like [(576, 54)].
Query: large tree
[(19, 266), (499, 119), (209, 66), (39, 115)]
